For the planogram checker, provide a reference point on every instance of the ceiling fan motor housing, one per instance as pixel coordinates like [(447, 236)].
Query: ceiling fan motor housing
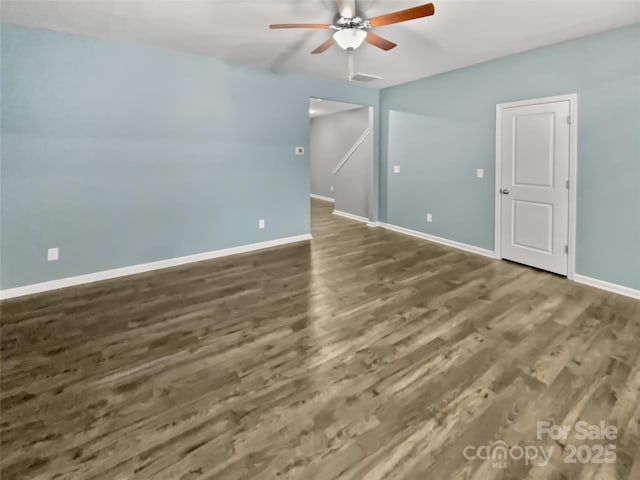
[(355, 22)]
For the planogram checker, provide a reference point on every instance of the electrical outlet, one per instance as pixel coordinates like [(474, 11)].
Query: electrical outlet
[(396, 169), (261, 223), (429, 218), (480, 173), (299, 150), (332, 188), (53, 254)]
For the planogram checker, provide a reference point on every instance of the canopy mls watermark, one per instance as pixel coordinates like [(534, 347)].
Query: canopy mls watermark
[(599, 449)]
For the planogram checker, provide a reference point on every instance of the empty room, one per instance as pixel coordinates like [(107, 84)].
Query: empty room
[(315, 240)]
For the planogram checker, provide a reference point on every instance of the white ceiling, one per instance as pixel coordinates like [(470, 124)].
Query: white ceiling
[(460, 33), (319, 107)]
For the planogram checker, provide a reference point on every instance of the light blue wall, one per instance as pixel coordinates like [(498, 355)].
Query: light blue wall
[(121, 155), (440, 129)]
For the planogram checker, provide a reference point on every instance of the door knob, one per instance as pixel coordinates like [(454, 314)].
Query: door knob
[(504, 192)]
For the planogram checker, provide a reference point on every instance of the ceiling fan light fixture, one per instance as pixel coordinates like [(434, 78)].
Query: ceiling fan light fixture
[(349, 38)]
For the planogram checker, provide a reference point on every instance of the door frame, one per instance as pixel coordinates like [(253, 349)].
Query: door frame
[(573, 155)]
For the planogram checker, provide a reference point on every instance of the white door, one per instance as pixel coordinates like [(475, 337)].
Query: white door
[(535, 181)]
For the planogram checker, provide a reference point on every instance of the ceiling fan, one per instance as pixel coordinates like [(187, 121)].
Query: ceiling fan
[(351, 30)]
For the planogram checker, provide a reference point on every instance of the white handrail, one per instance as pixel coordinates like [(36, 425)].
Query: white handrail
[(351, 151)]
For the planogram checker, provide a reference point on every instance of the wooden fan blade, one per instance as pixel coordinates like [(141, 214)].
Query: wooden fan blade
[(324, 46), (378, 41), (403, 15), (347, 8), (299, 25)]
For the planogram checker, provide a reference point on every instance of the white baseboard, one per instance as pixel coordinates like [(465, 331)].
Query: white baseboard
[(324, 199), (610, 287), (593, 282), (373, 224), (351, 216), (440, 240), (145, 267)]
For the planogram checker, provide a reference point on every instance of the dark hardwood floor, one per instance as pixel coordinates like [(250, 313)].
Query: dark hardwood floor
[(364, 354)]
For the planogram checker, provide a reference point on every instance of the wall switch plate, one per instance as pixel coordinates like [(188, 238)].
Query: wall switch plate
[(299, 150), (429, 218), (396, 169), (480, 173), (261, 223), (332, 188), (53, 254)]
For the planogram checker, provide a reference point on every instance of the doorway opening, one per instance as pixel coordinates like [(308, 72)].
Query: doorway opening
[(341, 156)]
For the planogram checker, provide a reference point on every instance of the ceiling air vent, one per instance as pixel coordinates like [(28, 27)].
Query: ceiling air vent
[(364, 77)]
